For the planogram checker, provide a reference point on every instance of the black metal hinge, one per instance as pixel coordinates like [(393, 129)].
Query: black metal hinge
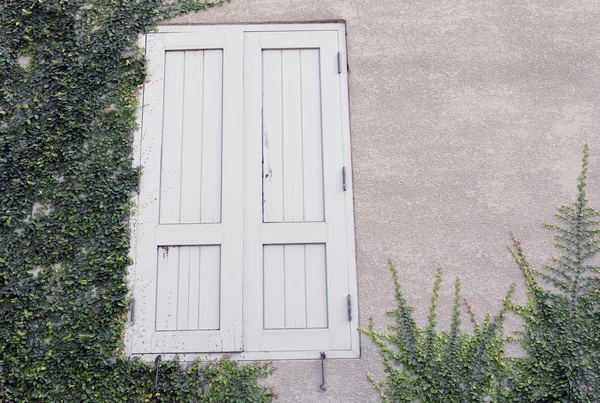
[(132, 311), (349, 308), (342, 63), (344, 178)]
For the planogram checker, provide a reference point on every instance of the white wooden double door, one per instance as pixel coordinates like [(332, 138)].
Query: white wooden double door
[(244, 227)]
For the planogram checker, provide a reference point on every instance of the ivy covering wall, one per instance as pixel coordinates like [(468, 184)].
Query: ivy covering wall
[(70, 73), (69, 76), (560, 333)]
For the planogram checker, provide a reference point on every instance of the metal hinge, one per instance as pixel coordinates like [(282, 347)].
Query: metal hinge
[(349, 308), (132, 311), (339, 62), (137, 185), (344, 178)]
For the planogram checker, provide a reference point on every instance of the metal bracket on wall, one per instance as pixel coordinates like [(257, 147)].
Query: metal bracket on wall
[(157, 365), (322, 385)]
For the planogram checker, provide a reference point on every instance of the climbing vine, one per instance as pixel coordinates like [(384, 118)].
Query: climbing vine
[(560, 334), (70, 73), (428, 366), (562, 322)]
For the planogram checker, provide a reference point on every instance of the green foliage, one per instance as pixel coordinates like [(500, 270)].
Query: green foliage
[(216, 382), (560, 334), (134, 381), (562, 323), (69, 76), (448, 366)]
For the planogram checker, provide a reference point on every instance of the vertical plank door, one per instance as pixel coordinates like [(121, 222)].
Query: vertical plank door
[(188, 274), (297, 230)]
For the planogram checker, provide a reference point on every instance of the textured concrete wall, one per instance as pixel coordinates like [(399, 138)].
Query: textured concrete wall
[(467, 121)]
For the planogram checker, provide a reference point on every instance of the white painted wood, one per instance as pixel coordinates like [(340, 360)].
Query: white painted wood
[(254, 304), (295, 287), (147, 255), (154, 330), (212, 136), (312, 136), (316, 286), (291, 40), (293, 192), (191, 148), (189, 234), (325, 283), (339, 27), (279, 355), (172, 128), (192, 137), (213, 38), (274, 286), (335, 213), (348, 200), (194, 289), (210, 278), (297, 340), (232, 257), (188, 294), (272, 135), (135, 152), (286, 233), (293, 162), (166, 294), (340, 338), (183, 291)]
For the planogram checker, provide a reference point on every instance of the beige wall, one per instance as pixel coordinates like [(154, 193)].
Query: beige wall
[(467, 121)]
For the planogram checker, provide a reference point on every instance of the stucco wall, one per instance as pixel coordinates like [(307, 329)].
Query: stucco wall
[(467, 121)]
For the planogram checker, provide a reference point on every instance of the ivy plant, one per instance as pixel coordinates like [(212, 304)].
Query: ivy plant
[(560, 334), (70, 73), (424, 365)]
